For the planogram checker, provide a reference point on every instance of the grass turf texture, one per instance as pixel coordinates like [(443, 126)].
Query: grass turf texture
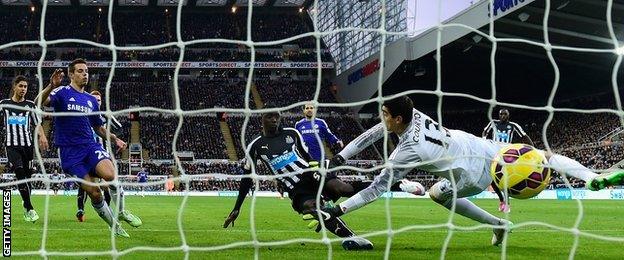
[(203, 218)]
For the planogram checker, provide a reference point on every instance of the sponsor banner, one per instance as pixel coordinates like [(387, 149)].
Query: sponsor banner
[(171, 65), (559, 194)]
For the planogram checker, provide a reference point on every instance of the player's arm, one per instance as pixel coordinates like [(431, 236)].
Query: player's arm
[(55, 81), (400, 157), (487, 129), (329, 136), (102, 132), (301, 148), (525, 138), (43, 141), (243, 189), (358, 145)]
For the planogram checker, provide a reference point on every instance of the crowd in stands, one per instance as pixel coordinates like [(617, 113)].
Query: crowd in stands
[(200, 135), (152, 26)]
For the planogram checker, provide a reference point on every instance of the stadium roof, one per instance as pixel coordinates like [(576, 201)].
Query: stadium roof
[(206, 3), (523, 71)]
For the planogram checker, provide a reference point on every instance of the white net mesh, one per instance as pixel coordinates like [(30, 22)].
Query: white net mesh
[(380, 32)]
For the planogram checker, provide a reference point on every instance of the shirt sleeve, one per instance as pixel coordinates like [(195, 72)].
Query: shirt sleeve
[(361, 142), (302, 149), (34, 118), (400, 157), (518, 129), (487, 128), (328, 133), (55, 96)]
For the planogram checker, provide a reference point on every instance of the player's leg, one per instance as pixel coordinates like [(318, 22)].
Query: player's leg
[(101, 207), (504, 205), (335, 225), (570, 167), (107, 195), (105, 170), (442, 193), (81, 199), (19, 162)]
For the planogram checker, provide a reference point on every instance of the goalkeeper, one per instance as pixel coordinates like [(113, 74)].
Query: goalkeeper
[(451, 154)]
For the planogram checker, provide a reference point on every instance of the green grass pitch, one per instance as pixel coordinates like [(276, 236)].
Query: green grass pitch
[(275, 221)]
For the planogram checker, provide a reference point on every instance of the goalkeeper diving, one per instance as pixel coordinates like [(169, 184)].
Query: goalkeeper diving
[(451, 154)]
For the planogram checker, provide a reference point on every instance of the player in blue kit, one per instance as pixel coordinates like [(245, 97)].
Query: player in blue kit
[(142, 179), (309, 129), (80, 154)]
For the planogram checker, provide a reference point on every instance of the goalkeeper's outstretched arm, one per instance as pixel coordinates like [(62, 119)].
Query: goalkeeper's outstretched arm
[(361, 142)]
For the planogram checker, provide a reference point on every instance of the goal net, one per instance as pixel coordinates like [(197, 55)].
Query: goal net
[(353, 33)]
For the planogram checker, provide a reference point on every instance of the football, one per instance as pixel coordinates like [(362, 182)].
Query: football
[(520, 170)]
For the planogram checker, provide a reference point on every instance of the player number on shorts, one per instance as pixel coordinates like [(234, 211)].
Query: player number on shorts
[(102, 154)]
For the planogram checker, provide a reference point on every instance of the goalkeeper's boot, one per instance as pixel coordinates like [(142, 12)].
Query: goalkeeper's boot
[(80, 215), (357, 243), (120, 232), (501, 232), (130, 218), (605, 180), (31, 216)]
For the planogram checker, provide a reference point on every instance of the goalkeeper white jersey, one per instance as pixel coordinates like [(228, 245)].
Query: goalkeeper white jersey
[(435, 148), (426, 146)]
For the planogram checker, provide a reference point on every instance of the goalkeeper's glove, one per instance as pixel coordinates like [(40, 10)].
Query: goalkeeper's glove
[(336, 161)]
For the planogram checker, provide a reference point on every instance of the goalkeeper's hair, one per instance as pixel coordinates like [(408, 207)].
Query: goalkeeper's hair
[(72, 65), (400, 106), (95, 93)]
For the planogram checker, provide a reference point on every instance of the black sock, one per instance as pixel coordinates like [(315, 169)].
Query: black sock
[(338, 227), (107, 195), (500, 195), (359, 185), (82, 197), (24, 188)]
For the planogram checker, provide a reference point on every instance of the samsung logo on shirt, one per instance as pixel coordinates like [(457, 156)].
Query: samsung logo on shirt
[(309, 131), (79, 108)]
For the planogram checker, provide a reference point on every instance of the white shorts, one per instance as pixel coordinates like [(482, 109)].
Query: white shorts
[(471, 173)]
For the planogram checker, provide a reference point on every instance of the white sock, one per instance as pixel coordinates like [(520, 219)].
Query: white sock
[(105, 212), (119, 203), (468, 209), (569, 167)]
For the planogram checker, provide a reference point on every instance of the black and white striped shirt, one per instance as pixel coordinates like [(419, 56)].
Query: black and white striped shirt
[(115, 125), (19, 123), (503, 131), (283, 153)]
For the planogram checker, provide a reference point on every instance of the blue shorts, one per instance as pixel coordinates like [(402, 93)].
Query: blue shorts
[(79, 160)]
